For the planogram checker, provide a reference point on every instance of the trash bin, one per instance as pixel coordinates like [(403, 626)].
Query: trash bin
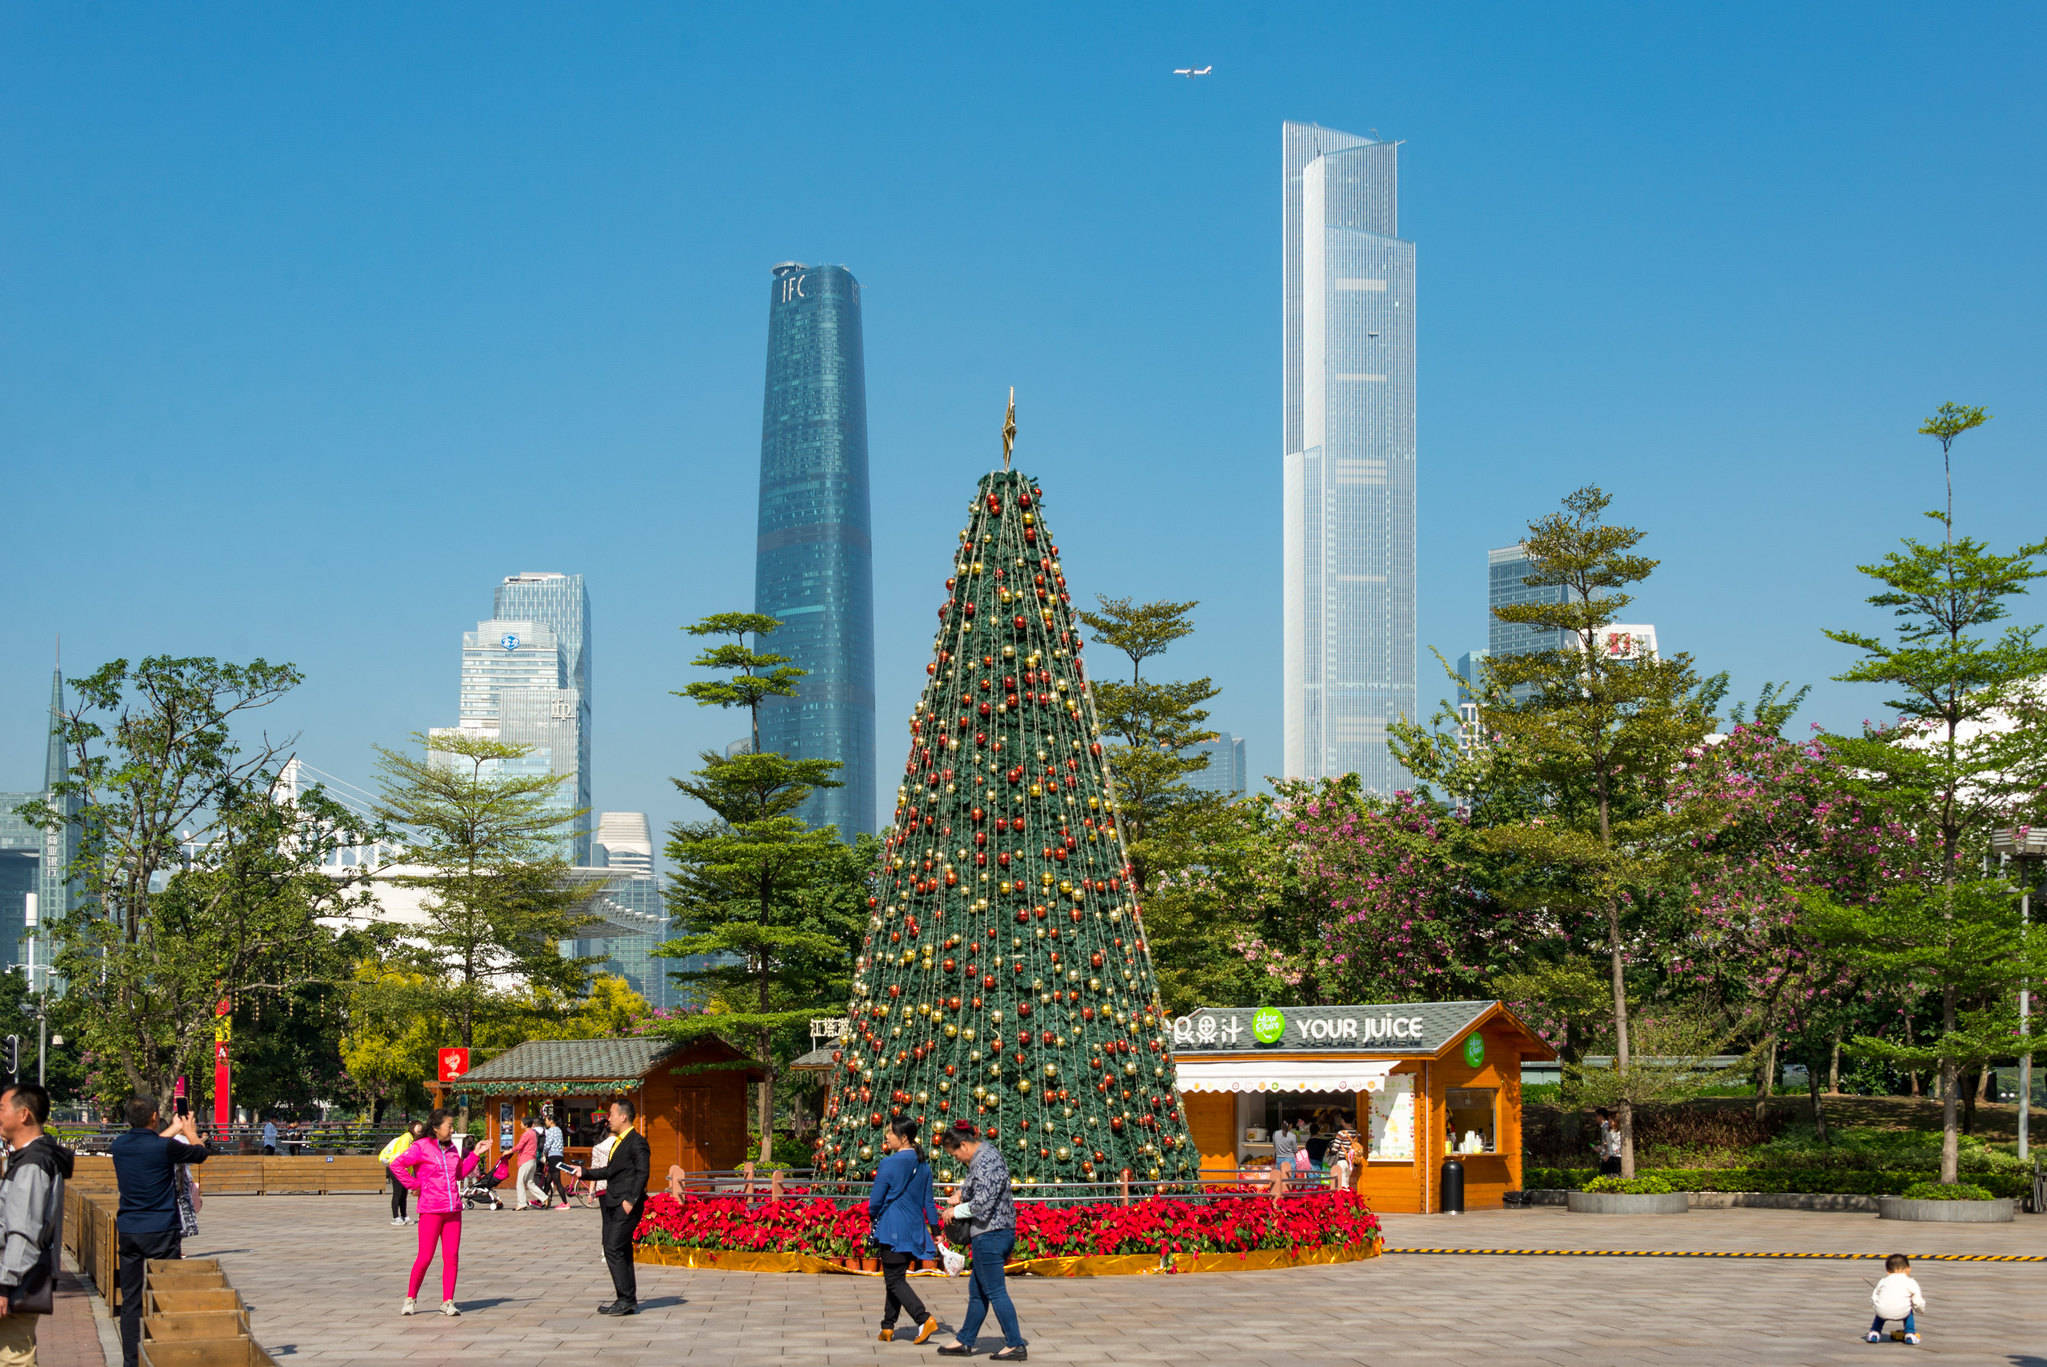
[(1453, 1187)]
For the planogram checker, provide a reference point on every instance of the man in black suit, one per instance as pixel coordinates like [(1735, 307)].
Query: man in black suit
[(625, 1191)]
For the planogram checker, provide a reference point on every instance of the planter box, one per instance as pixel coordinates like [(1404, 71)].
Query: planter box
[(1997, 1212), (1618, 1203)]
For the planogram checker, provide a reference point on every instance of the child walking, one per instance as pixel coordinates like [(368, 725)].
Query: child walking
[(434, 1167), (1895, 1298)]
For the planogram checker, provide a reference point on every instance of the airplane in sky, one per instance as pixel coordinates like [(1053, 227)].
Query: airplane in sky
[(1191, 72)]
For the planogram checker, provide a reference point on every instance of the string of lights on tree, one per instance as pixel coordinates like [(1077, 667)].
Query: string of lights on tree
[(1005, 978)]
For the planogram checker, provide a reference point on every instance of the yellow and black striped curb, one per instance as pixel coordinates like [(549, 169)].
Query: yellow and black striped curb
[(1718, 1253)]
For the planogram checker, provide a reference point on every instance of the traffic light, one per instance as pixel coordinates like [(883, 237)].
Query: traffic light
[(14, 1056)]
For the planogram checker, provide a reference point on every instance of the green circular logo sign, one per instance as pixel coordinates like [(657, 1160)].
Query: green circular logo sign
[(1268, 1024), (1474, 1049)]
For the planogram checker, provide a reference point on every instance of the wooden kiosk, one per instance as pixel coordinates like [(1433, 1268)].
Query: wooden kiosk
[(691, 1098), (1418, 1081)]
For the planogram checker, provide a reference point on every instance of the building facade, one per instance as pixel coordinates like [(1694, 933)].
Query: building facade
[(813, 567), (561, 603), (516, 689), (35, 861), (1507, 571), (1349, 470), (1225, 772)]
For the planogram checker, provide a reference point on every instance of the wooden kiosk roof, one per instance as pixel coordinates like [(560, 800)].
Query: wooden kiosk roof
[(543, 1066)]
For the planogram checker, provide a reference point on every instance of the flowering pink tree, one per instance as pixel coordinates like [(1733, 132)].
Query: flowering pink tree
[(1785, 826), (1384, 907)]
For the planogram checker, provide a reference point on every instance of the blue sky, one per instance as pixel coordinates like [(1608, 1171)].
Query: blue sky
[(319, 320)]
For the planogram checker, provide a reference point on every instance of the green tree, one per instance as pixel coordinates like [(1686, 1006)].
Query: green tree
[(483, 844), (1154, 723), (1582, 745), (199, 879), (1967, 752), (764, 898)]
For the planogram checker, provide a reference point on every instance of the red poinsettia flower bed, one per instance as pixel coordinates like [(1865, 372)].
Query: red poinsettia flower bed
[(1156, 1226)]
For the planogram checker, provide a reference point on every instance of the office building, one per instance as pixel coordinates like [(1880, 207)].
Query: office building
[(1470, 686), (515, 688), (38, 861), (627, 842), (813, 567), (1507, 571), (1349, 484), (560, 603), (1225, 772)]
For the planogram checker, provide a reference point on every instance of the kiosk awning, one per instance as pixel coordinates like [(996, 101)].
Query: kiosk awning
[(1278, 1075)]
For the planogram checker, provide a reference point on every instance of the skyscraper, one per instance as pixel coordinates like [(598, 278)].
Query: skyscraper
[(1507, 571), (515, 689), (1348, 293), (1225, 772), (560, 603), (35, 860), (813, 567)]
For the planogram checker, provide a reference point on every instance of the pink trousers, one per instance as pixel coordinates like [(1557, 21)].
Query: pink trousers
[(444, 1227)]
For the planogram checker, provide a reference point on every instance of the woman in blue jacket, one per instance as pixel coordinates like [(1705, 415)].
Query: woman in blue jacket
[(902, 1213)]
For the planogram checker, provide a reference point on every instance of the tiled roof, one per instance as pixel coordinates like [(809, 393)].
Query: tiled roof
[(1417, 1028), (550, 1060)]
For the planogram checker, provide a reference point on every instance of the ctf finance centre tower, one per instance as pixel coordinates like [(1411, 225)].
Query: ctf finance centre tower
[(1349, 631), (813, 569)]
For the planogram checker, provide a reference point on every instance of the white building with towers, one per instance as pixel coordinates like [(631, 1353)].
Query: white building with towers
[(1349, 482)]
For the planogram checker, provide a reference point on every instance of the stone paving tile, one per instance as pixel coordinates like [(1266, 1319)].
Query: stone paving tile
[(324, 1276)]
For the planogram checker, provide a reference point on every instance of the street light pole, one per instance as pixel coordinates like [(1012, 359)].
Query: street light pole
[(2023, 843)]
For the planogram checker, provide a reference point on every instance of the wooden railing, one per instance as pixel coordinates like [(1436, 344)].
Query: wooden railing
[(241, 1175)]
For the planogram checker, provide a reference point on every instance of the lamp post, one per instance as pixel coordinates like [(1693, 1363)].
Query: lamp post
[(2023, 843)]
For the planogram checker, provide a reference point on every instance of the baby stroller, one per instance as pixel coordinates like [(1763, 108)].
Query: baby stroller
[(479, 1189)]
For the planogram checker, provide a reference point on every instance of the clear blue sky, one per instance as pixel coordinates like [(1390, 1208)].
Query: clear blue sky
[(317, 320)]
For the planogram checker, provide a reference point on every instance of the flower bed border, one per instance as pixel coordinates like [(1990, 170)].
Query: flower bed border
[(1114, 1265), (801, 1232)]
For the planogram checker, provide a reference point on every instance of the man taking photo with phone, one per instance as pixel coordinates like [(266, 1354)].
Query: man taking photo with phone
[(625, 1191)]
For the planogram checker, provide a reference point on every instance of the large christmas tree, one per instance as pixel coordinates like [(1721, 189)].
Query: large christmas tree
[(1005, 978)]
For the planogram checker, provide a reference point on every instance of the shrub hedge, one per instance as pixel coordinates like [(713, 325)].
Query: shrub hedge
[(1829, 1181), (1942, 1191)]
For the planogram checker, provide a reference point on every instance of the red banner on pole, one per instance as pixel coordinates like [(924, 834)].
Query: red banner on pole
[(221, 1113), (454, 1063)]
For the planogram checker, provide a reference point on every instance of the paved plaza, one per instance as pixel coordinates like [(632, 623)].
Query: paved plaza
[(324, 1276)]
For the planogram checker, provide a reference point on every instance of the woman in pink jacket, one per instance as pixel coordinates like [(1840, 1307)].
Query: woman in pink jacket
[(434, 1169)]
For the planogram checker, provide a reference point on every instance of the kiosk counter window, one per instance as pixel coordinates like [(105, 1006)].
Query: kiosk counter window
[(1471, 1120)]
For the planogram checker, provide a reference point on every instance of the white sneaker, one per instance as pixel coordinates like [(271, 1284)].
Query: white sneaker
[(398, 1221), (409, 1308), (448, 1309)]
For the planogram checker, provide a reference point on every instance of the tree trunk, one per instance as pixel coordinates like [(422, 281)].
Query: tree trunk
[(1834, 1068), (1970, 1095), (1819, 1110), (1950, 1141), (1983, 1075), (1624, 1111), (1911, 1074), (1766, 1077)]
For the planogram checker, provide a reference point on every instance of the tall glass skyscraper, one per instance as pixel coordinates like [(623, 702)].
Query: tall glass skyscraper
[(1348, 291), (1507, 571), (560, 603), (35, 860), (516, 688), (813, 568)]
